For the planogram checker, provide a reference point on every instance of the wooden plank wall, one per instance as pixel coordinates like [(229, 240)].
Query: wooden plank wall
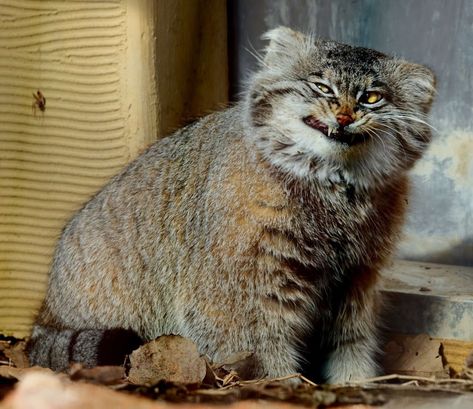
[(108, 95)]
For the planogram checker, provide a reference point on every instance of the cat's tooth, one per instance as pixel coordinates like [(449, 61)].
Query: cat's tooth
[(329, 131)]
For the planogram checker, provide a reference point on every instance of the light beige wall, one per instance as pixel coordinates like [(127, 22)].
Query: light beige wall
[(115, 74)]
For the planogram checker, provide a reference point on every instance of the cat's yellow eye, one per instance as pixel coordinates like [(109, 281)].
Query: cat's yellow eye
[(371, 97), (324, 88)]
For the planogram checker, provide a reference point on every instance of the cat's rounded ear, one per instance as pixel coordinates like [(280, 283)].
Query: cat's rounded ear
[(418, 83), (284, 44)]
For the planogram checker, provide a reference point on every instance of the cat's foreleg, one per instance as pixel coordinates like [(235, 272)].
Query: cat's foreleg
[(272, 355), (354, 338), (276, 359)]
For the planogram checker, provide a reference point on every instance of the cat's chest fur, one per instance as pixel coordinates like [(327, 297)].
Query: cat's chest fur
[(314, 235), (335, 225)]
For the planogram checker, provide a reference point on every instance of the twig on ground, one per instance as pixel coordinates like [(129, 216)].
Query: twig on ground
[(411, 383), (409, 378), (262, 381), (392, 377), (280, 379)]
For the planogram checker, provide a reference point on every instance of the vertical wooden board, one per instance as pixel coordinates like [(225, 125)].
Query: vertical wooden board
[(191, 60), (75, 53)]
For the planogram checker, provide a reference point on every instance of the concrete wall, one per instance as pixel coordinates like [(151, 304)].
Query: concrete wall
[(437, 33)]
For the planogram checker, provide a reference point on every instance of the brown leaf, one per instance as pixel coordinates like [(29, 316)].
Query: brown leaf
[(16, 353), (171, 358), (11, 372), (238, 363), (414, 355), (211, 376), (103, 375), (40, 391)]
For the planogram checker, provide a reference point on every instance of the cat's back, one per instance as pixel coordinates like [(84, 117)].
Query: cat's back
[(168, 175), (134, 234)]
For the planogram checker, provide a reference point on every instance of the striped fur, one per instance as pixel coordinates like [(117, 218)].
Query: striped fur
[(249, 230), (57, 348)]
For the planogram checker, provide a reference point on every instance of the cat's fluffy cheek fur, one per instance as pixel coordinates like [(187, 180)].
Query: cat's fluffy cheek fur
[(288, 116), (306, 144), (311, 154)]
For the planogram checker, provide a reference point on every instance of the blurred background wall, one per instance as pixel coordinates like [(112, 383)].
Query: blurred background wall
[(437, 33)]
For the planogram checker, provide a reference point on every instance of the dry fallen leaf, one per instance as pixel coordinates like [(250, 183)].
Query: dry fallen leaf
[(103, 375), (237, 363), (414, 355), (15, 353), (11, 372), (43, 391), (40, 391), (171, 358)]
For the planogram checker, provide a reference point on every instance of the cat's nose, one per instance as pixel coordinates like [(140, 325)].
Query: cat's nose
[(345, 119)]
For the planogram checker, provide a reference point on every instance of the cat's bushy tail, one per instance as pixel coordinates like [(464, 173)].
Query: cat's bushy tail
[(58, 348)]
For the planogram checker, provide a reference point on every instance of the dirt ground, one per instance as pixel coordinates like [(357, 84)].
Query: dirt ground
[(117, 386)]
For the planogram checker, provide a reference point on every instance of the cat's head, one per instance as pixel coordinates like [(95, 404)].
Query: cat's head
[(336, 112)]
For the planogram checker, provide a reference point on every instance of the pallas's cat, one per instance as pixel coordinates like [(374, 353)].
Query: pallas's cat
[(259, 228)]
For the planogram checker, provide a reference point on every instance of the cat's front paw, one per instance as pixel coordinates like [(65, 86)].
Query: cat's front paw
[(344, 367)]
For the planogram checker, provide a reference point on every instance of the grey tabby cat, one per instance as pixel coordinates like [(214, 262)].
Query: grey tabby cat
[(260, 228)]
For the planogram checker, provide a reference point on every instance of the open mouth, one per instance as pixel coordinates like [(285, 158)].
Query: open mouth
[(337, 135)]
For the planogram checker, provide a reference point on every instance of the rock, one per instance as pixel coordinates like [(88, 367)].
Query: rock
[(171, 358), (15, 353)]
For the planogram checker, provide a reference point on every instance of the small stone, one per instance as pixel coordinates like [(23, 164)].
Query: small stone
[(171, 358)]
